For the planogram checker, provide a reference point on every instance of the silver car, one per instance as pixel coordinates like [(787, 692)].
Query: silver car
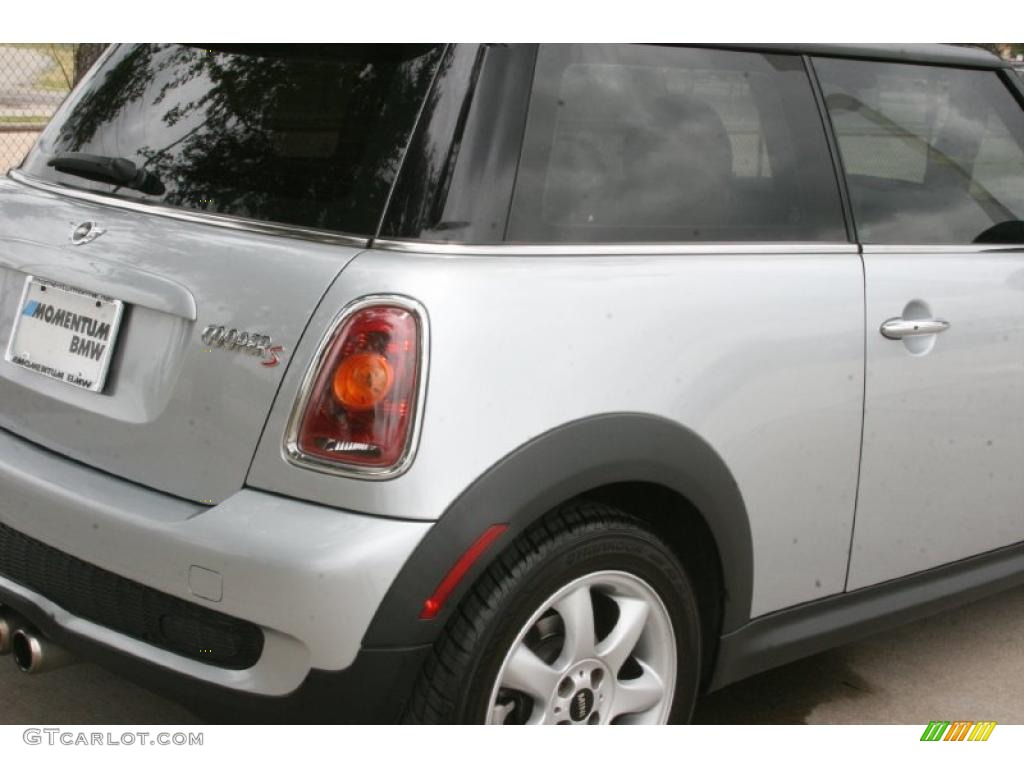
[(507, 383)]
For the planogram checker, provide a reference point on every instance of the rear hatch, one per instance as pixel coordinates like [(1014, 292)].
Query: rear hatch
[(170, 235)]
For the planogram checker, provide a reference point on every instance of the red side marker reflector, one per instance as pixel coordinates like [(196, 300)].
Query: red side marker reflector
[(433, 604)]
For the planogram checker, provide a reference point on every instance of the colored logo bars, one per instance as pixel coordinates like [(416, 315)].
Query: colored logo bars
[(959, 730)]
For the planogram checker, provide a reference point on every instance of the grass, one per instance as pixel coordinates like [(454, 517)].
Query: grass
[(59, 76), (24, 119)]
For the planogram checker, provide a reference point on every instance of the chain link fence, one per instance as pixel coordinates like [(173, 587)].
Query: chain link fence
[(34, 79)]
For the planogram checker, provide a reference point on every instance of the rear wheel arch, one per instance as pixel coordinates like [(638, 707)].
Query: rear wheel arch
[(625, 459), (553, 631), (675, 520)]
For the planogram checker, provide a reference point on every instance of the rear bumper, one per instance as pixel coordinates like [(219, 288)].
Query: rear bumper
[(310, 577), (373, 689)]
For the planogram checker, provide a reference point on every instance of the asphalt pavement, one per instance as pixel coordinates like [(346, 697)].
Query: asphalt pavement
[(966, 664)]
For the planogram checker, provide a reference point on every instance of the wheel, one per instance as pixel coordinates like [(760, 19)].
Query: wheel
[(587, 618)]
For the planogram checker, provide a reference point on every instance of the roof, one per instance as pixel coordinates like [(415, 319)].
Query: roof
[(921, 53)]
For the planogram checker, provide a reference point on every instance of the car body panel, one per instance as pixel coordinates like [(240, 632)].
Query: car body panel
[(309, 576), (757, 351), (176, 415), (944, 415)]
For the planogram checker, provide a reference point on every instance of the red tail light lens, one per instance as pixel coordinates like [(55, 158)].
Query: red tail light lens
[(360, 408)]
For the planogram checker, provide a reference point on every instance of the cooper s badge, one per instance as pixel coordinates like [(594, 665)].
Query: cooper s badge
[(255, 344)]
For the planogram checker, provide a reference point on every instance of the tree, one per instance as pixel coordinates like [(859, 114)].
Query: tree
[(85, 56)]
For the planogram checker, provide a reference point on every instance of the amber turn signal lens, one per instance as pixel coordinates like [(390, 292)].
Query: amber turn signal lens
[(361, 408), (362, 380)]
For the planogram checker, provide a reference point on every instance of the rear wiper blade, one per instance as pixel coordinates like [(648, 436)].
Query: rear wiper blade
[(109, 170)]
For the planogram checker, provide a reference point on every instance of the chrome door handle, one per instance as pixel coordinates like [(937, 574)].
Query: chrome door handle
[(898, 328)]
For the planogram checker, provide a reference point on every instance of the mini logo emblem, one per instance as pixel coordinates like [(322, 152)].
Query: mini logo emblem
[(85, 232), (581, 705), (255, 344)]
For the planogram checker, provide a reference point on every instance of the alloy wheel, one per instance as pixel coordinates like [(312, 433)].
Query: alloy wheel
[(600, 650)]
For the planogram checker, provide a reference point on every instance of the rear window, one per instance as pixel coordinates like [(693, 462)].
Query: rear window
[(661, 144), (307, 135), (933, 155)]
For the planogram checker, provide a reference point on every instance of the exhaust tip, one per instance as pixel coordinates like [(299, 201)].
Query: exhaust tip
[(34, 654), (26, 650), (10, 623)]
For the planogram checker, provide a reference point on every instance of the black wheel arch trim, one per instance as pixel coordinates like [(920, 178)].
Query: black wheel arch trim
[(559, 465)]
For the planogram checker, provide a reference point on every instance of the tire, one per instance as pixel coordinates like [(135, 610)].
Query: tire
[(531, 604)]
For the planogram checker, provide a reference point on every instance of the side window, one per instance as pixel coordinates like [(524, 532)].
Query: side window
[(933, 155), (662, 144)]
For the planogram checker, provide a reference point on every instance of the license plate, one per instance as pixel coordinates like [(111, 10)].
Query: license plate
[(65, 333)]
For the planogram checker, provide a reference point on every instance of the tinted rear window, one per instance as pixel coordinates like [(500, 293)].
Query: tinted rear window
[(651, 143), (933, 155), (309, 135)]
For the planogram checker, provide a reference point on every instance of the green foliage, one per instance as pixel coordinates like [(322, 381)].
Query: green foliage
[(59, 76)]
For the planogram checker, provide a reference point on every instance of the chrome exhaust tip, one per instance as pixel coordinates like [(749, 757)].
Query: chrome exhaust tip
[(34, 654), (10, 622)]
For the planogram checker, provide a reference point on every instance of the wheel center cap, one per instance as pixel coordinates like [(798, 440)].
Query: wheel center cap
[(582, 704)]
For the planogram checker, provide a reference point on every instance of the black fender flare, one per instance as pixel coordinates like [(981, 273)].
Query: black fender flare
[(556, 466)]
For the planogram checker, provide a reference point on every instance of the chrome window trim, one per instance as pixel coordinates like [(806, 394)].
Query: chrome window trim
[(940, 249), (236, 223), (606, 249), (291, 451), (454, 249)]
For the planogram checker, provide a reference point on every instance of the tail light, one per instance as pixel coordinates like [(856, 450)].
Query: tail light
[(360, 403)]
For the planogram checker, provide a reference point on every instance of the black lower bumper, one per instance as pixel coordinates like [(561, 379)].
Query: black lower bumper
[(127, 607), (374, 689)]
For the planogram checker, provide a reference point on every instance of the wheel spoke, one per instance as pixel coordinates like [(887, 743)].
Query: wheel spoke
[(526, 672), (637, 695), (500, 713), (577, 612), (620, 642)]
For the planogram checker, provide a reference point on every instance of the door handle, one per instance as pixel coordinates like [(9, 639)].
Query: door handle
[(898, 328)]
